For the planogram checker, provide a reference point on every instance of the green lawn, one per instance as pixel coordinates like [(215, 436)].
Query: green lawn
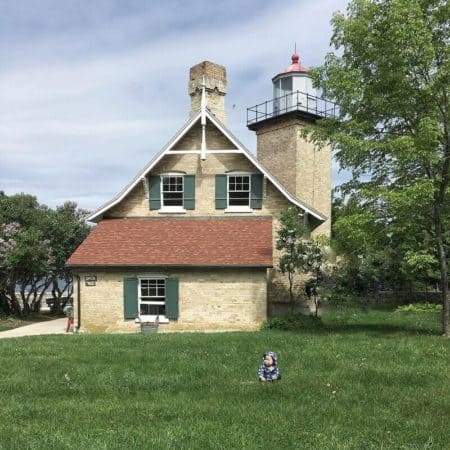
[(368, 380)]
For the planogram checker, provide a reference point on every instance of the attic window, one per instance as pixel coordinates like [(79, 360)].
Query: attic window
[(172, 190), (239, 190)]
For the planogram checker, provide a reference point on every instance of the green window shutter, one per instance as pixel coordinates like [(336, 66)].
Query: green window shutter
[(154, 188), (189, 192), (130, 298), (256, 191), (221, 191), (172, 298)]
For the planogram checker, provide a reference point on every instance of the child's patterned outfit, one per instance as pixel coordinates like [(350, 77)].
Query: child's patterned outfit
[(269, 373)]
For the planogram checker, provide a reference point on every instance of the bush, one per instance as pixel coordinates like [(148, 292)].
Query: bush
[(292, 322), (338, 297), (419, 307)]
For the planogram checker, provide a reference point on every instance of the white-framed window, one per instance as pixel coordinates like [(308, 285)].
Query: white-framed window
[(238, 191), (152, 298), (172, 190)]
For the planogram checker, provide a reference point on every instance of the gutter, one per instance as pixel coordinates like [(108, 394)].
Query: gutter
[(170, 266), (77, 328)]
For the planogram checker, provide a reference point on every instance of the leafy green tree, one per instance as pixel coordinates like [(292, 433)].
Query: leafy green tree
[(35, 242), (24, 252), (391, 79), (312, 262), (300, 254), (66, 230), (377, 253)]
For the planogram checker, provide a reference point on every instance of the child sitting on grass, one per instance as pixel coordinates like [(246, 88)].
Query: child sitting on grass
[(269, 368)]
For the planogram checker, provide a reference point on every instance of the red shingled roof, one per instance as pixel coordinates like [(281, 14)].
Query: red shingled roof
[(242, 242)]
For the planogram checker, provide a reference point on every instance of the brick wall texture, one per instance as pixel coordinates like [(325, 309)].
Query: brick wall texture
[(209, 299), (302, 167)]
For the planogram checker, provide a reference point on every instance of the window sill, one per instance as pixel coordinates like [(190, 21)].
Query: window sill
[(172, 210), (238, 209), (143, 319)]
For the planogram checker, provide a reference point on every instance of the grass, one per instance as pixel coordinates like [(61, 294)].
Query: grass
[(10, 322), (366, 380)]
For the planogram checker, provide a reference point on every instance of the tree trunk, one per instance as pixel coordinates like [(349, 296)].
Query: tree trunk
[(443, 268), (316, 305), (444, 288), (4, 303), (37, 301), (440, 199), (291, 293), (15, 304)]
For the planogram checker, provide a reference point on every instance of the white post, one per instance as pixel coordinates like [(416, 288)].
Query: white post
[(203, 121)]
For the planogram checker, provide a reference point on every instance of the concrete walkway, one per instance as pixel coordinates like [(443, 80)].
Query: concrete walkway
[(57, 326)]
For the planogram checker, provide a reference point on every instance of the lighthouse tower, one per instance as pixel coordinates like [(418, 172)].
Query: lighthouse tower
[(303, 168)]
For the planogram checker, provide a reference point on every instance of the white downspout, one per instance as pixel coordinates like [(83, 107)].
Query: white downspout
[(203, 121)]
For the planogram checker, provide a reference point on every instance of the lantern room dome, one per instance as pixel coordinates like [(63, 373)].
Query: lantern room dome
[(295, 67)]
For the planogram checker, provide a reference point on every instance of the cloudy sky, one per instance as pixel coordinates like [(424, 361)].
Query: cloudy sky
[(90, 90)]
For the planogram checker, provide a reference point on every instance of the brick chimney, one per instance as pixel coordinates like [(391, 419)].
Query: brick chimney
[(215, 87)]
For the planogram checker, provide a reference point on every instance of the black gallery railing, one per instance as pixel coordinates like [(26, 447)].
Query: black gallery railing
[(294, 101)]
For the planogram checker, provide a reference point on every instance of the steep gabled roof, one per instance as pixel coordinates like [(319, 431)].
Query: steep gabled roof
[(181, 242), (97, 215)]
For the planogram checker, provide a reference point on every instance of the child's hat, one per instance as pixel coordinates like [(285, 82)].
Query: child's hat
[(273, 355)]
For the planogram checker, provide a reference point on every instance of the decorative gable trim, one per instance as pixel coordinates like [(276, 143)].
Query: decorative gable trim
[(97, 215)]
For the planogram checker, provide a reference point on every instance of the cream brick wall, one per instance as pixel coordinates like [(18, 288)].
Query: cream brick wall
[(276, 149), (209, 299), (136, 204), (302, 167), (215, 140)]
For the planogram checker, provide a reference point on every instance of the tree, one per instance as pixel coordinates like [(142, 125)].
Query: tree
[(391, 81), (312, 262), (66, 230), (35, 242), (301, 255), (376, 253), (25, 255)]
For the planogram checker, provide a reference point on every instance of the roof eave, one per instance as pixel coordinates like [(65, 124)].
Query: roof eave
[(164, 265)]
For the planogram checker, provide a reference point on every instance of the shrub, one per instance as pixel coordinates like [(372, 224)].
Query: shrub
[(419, 307), (339, 297), (292, 322)]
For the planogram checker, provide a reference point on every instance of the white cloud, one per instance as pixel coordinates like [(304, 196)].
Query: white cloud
[(89, 105)]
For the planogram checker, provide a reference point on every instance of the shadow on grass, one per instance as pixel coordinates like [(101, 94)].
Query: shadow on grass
[(359, 321), (377, 329)]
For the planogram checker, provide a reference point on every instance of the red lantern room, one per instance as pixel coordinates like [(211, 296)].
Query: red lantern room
[(293, 87)]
